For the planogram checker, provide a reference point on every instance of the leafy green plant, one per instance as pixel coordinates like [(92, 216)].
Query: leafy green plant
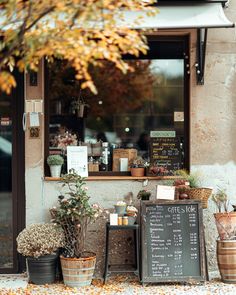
[(194, 178), (144, 194), (40, 239), (74, 213), (221, 200), (55, 160)]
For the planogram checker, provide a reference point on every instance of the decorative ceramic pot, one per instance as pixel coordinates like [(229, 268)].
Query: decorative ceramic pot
[(55, 170), (226, 224)]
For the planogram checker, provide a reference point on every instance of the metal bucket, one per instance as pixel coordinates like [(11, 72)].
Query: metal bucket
[(226, 258), (78, 272)]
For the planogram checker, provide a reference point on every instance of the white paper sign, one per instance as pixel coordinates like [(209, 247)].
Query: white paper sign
[(165, 192), (34, 119), (113, 219), (77, 158)]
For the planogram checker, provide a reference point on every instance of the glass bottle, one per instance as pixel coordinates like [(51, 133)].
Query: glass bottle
[(105, 157)]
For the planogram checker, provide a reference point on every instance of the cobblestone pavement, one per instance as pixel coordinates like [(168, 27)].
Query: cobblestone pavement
[(119, 285)]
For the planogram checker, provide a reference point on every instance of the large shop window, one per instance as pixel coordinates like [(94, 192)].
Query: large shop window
[(130, 112)]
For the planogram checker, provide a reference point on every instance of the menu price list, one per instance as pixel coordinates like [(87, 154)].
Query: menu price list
[(167, 152), (173, 240)]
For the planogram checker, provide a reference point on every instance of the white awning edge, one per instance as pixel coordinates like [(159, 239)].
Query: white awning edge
[(204, 15)]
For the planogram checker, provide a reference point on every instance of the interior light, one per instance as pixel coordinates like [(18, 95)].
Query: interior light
[(100, 102), (127, 129)]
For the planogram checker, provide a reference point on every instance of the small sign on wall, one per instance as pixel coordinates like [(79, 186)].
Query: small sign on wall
[(77, 158), (165, 192)]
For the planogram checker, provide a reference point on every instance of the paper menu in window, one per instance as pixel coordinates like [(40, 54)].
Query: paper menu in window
[(165, 192), (77, 158)]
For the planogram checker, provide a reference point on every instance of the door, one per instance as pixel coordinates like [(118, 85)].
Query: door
[(12, 197)]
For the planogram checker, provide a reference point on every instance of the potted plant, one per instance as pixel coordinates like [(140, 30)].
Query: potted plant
[(74, 213), (137, 166), (144, 195), (226, 244), (132, 213), (40, 243), (120, 207), (55, 163), (191, 186)]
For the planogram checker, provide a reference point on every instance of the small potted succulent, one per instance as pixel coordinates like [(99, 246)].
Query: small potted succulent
[(40, 243), (138, 166), (144, 195), (55, 163)]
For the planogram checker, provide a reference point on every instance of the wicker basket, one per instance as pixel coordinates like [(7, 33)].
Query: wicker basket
[(201, 193)]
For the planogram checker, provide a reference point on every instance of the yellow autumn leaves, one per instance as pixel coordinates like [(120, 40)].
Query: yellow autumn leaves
[(83, 32)]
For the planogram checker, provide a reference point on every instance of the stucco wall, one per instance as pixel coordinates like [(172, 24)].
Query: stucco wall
[(213, 117)]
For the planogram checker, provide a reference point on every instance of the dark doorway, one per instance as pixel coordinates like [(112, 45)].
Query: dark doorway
[(12, 171)]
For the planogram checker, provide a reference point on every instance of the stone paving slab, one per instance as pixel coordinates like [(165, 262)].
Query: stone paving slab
[(119, 285)]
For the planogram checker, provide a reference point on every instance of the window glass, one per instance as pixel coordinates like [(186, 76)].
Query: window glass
[(125, 110)]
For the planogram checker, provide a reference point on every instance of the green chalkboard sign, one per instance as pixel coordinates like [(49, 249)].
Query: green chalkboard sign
[(172, 241)]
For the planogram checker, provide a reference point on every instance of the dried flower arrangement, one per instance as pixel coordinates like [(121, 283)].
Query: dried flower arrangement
[(40, 239), (63, 140)]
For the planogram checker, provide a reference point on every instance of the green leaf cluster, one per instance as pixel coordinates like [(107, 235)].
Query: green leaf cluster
[(74, 213)]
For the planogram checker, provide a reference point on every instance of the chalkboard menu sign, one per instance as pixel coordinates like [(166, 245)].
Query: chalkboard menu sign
[(166, 152), (172, 241)]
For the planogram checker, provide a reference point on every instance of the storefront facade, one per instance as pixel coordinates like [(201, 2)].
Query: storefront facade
[(209, 115)]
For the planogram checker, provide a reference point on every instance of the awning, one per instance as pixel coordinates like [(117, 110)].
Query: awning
[(181, 16)]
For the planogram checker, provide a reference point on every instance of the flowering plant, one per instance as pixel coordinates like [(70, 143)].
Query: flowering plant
[(63, 140), (74, 213), (40, 239)]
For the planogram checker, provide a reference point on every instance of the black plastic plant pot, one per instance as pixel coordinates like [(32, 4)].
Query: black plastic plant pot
[(145, 197), (42, 270)]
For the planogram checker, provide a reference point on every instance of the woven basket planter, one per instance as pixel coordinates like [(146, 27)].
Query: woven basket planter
[(202, 194)]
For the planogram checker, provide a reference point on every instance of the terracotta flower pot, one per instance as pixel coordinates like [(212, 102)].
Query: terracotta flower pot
[(137, 172), (226, 225)]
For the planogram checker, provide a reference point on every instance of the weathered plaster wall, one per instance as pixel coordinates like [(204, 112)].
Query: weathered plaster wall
[(213, 145)]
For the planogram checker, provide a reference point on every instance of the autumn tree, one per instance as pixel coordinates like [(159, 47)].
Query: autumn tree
[(82, 32)]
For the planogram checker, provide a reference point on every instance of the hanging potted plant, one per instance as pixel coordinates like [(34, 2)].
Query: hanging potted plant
[(79, 106), (74, 214), (55, 163), (226, 244), (40, 243)]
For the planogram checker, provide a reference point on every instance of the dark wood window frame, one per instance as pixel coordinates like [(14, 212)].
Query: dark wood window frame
[(163, 47)]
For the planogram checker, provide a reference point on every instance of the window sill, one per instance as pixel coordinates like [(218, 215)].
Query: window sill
[(47, 178)]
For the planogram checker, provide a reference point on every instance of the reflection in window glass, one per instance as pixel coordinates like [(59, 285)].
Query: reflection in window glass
[(126, 108)]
